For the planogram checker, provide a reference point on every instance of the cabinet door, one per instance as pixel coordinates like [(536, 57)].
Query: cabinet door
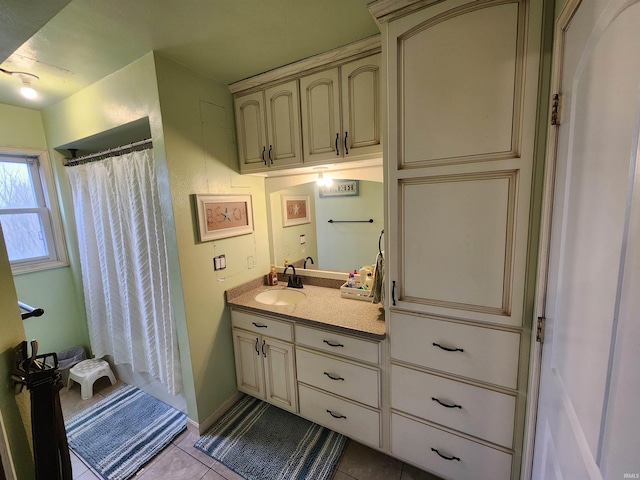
[(360, 81), (462, 124), (251, 131), (321, 129), (283, 124), (279, 374), (248, 358)]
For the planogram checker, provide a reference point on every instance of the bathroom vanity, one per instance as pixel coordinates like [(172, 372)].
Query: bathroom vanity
[(318, 356)]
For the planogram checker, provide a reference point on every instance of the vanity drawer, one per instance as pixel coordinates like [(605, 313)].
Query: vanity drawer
[(338, 344), (262, 325), (479, 353), (416, 443), (355, 421), (478, 411), (341, 377)]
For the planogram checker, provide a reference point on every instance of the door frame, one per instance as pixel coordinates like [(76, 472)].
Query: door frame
[(6, 461), (544, 242)]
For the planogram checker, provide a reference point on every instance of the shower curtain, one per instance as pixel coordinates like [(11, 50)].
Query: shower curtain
[(124, 268)]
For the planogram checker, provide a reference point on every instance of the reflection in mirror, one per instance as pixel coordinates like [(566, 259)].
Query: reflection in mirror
[(347, 243)]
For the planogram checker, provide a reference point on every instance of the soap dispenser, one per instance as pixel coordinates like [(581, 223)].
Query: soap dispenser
[(273, 276)]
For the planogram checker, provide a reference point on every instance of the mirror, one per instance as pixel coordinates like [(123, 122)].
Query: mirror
[(332, 227)]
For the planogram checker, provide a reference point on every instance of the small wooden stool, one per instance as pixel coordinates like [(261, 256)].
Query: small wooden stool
[(87, 372)]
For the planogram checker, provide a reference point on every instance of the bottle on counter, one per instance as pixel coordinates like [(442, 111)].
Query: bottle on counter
[(273, 276)]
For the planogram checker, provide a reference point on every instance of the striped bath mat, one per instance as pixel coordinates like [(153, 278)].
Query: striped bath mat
[(263, 442), (119, 434)]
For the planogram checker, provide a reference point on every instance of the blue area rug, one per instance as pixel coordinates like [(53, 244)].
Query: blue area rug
[(119, 434), (263, 442)]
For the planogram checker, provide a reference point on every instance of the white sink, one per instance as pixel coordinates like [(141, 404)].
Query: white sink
[(280, 297)]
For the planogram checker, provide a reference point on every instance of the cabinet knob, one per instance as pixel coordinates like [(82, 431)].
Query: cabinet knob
[(332, 377), (264, 149), (257, 350), (346, 146), (333, 344), (270, 158), (337, 138)]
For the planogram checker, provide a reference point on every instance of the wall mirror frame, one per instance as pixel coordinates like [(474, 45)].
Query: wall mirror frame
[(367, 170)]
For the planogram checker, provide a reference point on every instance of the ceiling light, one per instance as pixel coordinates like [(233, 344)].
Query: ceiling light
[(27, 90), (324, 181)]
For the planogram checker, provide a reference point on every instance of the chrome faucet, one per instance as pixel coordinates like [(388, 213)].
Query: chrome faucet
[(305, 262), (293, 281)]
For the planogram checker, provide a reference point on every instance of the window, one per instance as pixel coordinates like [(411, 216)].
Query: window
[(28, 211)]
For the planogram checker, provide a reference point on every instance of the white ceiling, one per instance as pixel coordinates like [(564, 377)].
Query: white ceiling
[(226, 40)]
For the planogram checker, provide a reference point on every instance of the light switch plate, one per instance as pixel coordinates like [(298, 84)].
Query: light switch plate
[(219, 262), (303, 239)]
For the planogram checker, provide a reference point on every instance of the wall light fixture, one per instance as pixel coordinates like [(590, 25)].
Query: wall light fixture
[(27, 90)]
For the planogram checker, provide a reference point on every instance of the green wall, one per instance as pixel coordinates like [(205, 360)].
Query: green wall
[(199, 132), (125, 96), (54, 290), (15, 409)]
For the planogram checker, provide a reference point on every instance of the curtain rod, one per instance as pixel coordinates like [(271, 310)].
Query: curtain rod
[(71, 162)]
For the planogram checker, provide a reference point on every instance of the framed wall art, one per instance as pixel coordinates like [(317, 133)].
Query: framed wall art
[(222, 216), (295, 210), (341, 188)]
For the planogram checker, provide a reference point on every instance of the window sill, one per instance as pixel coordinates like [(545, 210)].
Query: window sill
[(37, 267)]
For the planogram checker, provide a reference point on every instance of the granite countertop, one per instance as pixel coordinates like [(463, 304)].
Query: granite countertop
[(323, 307)]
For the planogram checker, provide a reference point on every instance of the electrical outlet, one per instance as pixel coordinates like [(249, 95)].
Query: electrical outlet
[(250, 262), (219, 262)]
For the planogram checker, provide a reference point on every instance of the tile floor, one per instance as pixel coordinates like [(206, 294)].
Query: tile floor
[(181, 461)]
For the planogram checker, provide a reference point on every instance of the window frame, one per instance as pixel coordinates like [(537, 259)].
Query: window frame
[(48, 210)]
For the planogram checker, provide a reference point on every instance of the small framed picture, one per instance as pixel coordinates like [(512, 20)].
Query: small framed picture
[(295, 210), (222, 216), (341, 188)]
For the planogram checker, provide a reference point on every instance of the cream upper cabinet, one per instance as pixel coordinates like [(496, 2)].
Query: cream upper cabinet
[(268, 128), (341, 116)]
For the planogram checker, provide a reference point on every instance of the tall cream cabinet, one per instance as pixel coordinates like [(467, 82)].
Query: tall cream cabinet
[(461, 97)]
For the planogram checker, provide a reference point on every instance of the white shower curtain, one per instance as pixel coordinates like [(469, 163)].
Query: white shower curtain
[(124, 264)]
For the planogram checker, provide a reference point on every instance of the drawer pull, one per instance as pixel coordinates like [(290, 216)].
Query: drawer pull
[(448, 349), (333, 344), (443, 456), (333, 378), (259, 325), (337, 416), (445, 405), (257, 351)]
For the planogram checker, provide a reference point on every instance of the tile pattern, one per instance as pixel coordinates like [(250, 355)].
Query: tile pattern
[(181, 461)]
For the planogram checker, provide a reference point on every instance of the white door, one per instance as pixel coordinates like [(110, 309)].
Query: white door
[(588, 424)]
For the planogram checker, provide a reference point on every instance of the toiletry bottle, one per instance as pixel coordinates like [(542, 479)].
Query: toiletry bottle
[(273, 276), (363, 275), (351, 280)]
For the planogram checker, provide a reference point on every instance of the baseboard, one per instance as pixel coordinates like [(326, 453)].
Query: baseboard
[(200, 428)]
